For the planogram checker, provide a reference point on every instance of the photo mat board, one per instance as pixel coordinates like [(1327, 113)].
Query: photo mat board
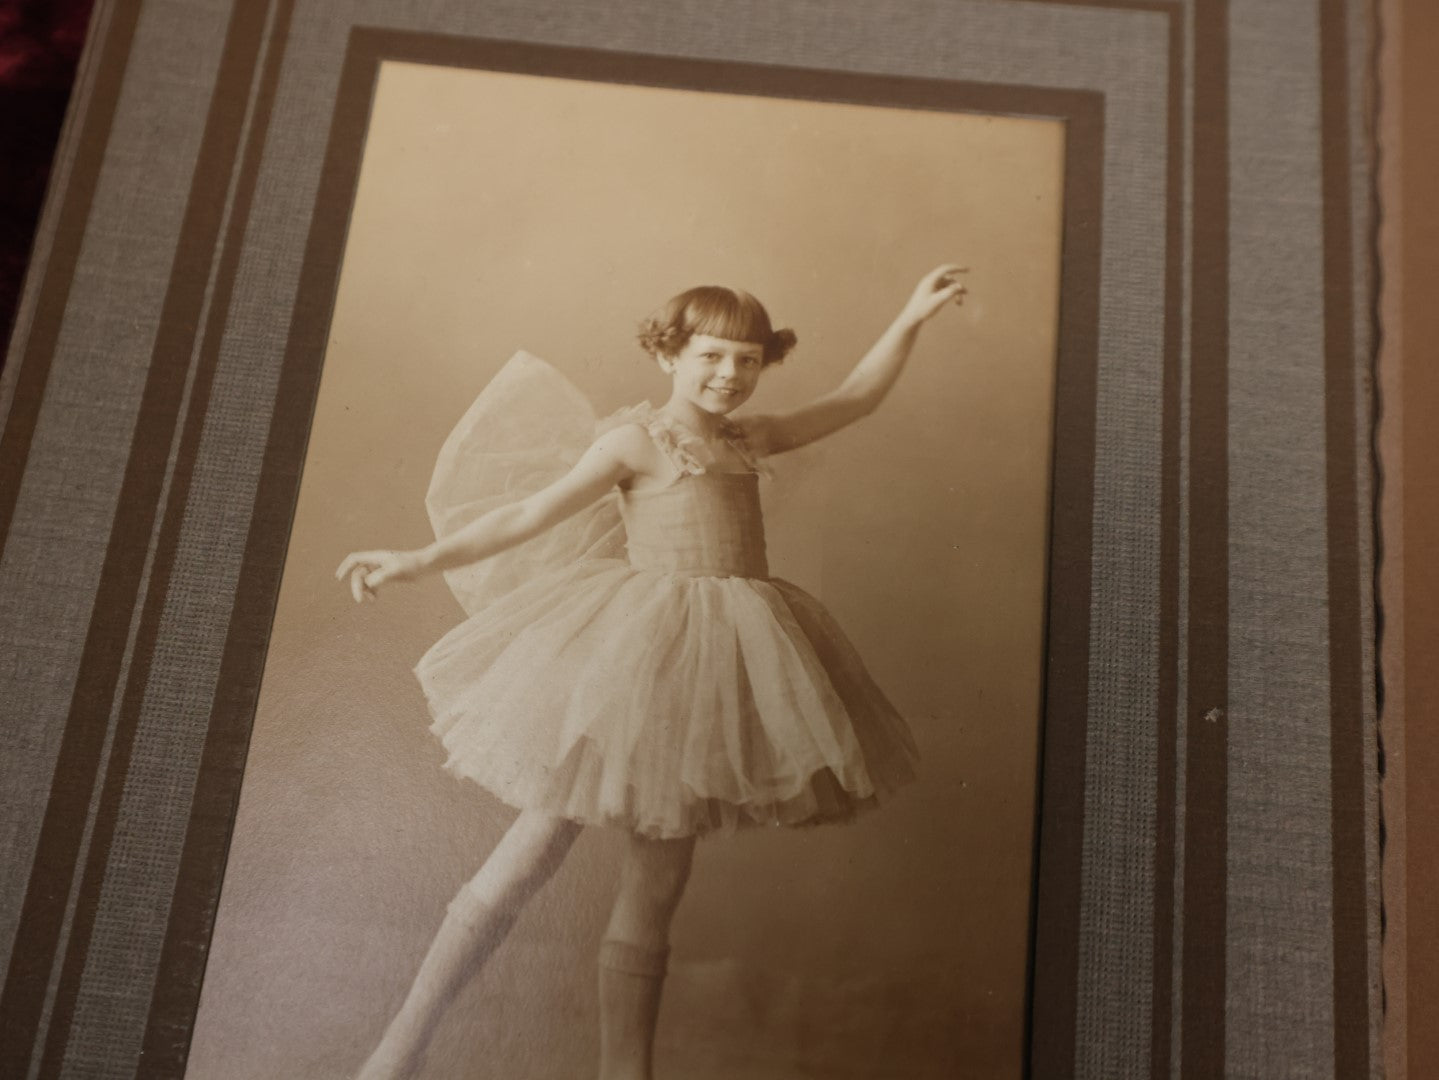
[(498, 207), (1226, 462)]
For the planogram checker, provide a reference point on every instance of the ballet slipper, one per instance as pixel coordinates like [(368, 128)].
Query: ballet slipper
[(631, 979), (469, 934)]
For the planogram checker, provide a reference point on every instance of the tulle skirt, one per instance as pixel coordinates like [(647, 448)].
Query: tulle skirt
[(666, 703)]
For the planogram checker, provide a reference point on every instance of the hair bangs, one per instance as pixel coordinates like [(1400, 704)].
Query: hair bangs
[(715, 311), (729, 314)]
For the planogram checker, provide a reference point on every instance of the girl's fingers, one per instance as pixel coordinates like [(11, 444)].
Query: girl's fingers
[(943, 279), (944, 295), (357, 584), (363, 581), (353, 560)]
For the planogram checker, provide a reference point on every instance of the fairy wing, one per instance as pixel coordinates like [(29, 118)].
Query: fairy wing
[(526, 429)]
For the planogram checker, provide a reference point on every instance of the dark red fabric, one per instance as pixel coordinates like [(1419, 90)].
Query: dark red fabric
[(40, 42)]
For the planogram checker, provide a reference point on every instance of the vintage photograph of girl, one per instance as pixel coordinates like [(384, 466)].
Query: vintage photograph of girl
[(724, 612)]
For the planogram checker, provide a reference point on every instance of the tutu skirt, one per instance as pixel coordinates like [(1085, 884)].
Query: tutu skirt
[(637, 665), (667, 703)]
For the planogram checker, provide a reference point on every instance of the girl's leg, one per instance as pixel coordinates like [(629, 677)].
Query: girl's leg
[(634, 953), (477, 920)]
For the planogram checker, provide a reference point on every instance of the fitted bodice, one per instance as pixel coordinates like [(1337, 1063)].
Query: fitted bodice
[(706, 524)]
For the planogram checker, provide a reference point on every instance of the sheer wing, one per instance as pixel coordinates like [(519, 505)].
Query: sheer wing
[(526, 429)]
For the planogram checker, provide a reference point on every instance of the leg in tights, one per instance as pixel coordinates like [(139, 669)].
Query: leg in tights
[(477, 920), (634, 953)]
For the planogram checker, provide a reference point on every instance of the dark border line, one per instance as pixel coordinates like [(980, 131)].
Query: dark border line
[(170, 1025), (96, 116), (1347, 688), (170, 1020), (1206, 830), (1054, 1012), (235, 97), (78, 764), (243, 662), (1167, 695)]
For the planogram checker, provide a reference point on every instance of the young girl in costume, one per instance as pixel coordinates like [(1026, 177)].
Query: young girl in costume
[(669, 687)]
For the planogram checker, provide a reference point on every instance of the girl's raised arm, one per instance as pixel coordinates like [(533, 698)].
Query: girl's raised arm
[(606, 463), (865, 387)]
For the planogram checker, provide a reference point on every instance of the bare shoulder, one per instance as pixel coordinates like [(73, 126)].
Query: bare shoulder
[(630, 446), (626, 442)]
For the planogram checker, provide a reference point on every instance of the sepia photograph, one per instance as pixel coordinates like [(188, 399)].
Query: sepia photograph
[(656, 684)]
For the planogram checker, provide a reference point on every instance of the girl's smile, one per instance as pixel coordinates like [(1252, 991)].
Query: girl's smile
[(714, 375)]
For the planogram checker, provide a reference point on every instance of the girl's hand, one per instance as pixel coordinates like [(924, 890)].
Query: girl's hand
[(368, 570), (937, 288)]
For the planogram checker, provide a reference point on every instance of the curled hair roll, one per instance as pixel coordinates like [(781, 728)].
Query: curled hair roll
[(719, 312), (779, 345)]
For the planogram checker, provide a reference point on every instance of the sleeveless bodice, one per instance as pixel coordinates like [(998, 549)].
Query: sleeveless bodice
[(706, 524)]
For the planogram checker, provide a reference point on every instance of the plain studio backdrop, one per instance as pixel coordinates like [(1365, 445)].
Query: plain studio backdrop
[(497, 212)]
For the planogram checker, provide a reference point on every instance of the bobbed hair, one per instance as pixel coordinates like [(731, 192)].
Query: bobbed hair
[(719, 312)]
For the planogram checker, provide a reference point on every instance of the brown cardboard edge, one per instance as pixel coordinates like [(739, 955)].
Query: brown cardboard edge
[(1408, 444), (1390, 550)]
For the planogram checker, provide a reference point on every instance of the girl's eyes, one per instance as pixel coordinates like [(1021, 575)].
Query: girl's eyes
[(747, 361)]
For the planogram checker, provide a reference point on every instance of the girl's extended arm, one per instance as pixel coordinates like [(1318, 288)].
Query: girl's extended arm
[(602, 466), (864, 387)]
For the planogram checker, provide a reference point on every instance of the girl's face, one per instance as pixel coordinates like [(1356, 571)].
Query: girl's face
[(715, 374)]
